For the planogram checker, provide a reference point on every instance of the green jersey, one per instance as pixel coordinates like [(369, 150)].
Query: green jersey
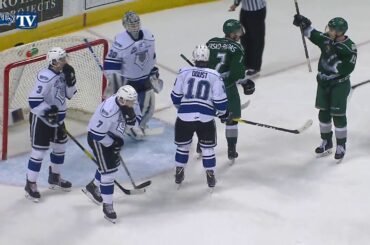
[(337, 58), (226, 57)]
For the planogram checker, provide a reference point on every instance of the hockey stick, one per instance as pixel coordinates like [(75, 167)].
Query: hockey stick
[(293, 131), (359, 84), (186, 59), (95, 57), (303, 39), (136, 187), (89, 155)]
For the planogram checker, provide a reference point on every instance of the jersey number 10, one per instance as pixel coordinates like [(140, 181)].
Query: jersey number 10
[(201, 92)]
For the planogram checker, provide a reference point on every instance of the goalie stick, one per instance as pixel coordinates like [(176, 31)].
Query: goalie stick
[(307, 124)]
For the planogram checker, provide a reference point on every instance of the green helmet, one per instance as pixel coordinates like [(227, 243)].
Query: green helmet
[(338, 24), (231, 26)]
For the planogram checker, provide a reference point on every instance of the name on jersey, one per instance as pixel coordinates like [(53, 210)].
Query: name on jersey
[(200, 74), (231, 47)]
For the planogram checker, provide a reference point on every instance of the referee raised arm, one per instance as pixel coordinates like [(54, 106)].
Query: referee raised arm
[(252, 17)]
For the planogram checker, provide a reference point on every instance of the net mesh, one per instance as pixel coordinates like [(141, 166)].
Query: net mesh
[(29, 59)]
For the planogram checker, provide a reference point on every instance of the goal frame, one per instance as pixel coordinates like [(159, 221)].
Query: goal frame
[(10, 66)]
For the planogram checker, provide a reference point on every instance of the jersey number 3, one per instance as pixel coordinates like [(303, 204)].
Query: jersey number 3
[(201, 92)]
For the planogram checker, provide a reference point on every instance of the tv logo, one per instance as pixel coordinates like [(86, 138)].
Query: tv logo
[(26, 20)]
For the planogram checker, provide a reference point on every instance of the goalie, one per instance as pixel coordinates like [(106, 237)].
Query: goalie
[(131, 60)]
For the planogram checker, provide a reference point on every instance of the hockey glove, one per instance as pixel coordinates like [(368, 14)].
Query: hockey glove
[(51, 114), (117, 144), (69, 75), (248, 86), (226, 118), (129, 115), (301, 21)]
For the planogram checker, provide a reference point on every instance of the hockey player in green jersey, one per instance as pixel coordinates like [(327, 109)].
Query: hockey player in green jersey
[(337, 61), (227, 57)]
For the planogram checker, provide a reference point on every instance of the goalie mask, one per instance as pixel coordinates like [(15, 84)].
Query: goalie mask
[(131, 22)]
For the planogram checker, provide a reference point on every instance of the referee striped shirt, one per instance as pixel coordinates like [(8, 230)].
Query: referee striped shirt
[(251, 5)]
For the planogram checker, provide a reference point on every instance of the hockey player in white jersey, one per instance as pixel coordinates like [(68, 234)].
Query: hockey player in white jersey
[(48, 109), (131, 60), (105, 137), (198, 93)]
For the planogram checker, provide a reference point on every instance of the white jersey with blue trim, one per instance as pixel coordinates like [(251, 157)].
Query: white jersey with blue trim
[(198, 94), (108, 120), (132, 59), (50, 89)]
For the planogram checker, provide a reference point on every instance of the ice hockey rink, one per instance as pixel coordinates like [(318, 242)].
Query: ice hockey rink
[(277, 192)]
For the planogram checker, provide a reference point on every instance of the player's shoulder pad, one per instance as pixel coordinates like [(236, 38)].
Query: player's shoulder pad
[(184, 69), (148, 35), (122, 41), (212, 72), (45, 75), (109, 107), (347, 46)]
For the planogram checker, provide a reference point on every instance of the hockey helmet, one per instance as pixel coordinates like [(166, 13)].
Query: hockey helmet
[(126, 92), (55, 54), (338, 24), (201, 53), (231, 26), (131, 22)]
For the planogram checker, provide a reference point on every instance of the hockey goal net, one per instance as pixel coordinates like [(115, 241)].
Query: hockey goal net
[(18, 69)]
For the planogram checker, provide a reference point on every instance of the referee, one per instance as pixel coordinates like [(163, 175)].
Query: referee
[(252, 17)]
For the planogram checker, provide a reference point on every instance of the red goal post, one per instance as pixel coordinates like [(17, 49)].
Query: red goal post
[(19, 76)]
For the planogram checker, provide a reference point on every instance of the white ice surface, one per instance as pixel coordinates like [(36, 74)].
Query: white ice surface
[(276, 193)]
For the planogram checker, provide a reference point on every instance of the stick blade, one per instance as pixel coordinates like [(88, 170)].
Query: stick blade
[(143, 185), (305, 126)]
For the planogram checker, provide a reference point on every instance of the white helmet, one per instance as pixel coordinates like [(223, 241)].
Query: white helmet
[(131, 22), (56, 54), (126, 92), (201, 53)]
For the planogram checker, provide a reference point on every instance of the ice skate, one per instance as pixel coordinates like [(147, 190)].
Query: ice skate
[(211, 180), (340, 152), (93, 192), (31, 191), (109, 213), (179, 176), (56, 182), (324, 149), (232, 154)]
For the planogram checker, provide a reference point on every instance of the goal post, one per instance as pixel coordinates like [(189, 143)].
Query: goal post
[(20, 65)]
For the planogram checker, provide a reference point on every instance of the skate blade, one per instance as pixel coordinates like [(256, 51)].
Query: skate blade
[(178, 186), (88, 194), (35, 200), (339, 160), (324, 154), (58, 188), (113, 221), (211, 189)]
